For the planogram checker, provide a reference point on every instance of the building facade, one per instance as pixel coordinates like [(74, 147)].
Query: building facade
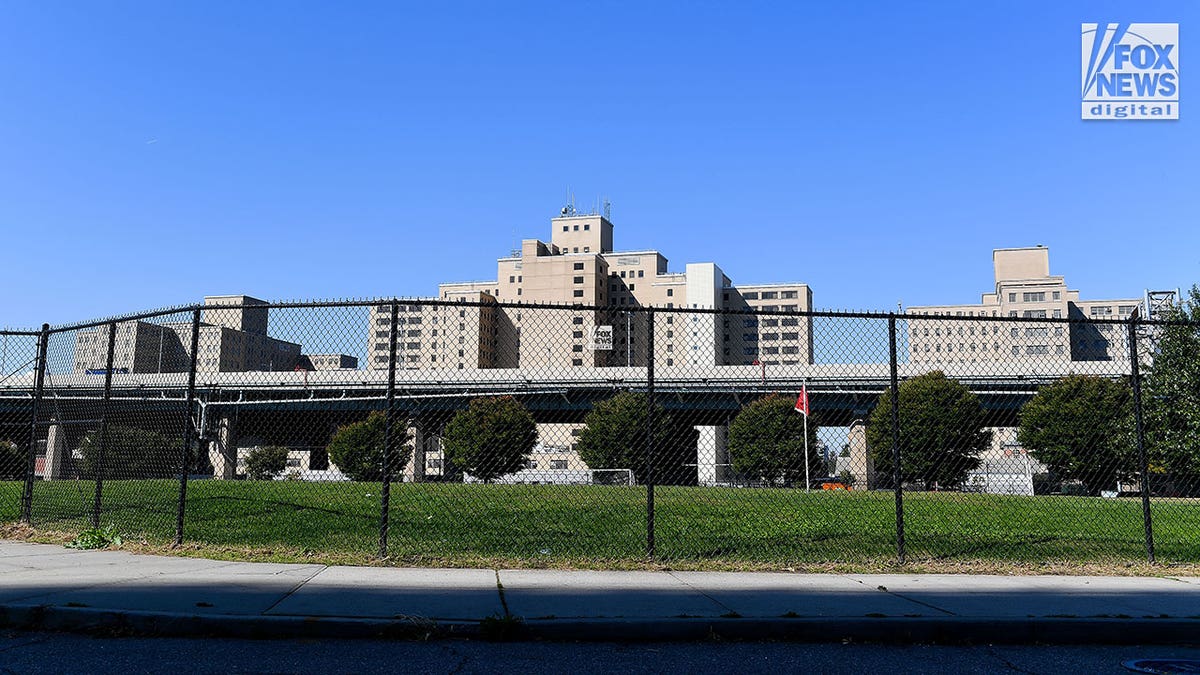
[(230, 340), (579, 267), (1024, 289)]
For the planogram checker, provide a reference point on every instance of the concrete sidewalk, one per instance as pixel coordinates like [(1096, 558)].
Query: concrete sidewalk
[(51, 587)]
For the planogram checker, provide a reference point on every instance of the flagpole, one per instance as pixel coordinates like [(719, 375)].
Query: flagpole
[(807, 480)]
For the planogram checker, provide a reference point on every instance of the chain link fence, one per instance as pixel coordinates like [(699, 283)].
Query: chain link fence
[(474, 432)]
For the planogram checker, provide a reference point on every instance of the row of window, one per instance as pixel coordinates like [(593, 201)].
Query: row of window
[(586, 227), (766, 295)]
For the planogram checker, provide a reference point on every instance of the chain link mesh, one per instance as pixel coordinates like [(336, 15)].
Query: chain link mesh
[(443, 432)]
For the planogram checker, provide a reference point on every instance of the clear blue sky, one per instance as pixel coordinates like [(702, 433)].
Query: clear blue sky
[(152, 153)]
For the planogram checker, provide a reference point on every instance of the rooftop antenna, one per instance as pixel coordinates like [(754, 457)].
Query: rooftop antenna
[(569, 209), (607, 209)]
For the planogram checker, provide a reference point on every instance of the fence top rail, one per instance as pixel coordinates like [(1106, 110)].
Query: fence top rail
[(618, 309), (19, 332)]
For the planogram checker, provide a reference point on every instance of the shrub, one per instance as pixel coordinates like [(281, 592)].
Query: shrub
[(766, 442), (941, 432), (491, 438), (615, 438), (130, 453), (1081, 428), (265, 463), (357, 449)]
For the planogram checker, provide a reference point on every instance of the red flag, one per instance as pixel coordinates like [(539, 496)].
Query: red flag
[(802, 401)]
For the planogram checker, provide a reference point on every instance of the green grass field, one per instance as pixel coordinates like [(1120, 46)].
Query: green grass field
[(604, 526)]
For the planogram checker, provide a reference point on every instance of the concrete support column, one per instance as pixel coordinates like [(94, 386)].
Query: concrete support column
[(222, 451), (861, 465), (712, 455), (56, 452)]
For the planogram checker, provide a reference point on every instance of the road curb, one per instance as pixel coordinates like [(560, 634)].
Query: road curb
[(899, 630)]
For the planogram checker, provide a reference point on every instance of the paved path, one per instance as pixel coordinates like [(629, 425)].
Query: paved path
[(51, 587)]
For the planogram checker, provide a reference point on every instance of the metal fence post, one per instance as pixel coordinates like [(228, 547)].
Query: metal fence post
[(31, 459), (1143, 462), (108, 373), (897, 476), (651, 429), (385, 494), (189, 431)]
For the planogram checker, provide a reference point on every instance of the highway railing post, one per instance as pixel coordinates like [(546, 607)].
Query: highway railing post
[(385, 493), (1143, 462), (897, 475), (189, 429), (35, 405), (104, 410), (651, 431)]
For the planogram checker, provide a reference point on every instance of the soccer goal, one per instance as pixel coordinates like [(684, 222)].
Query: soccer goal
[(613, 477)]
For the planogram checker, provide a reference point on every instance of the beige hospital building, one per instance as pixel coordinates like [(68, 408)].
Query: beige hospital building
[(579, 266), (1024, 289)]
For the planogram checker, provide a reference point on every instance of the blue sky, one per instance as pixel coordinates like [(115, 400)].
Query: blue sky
[(152, 153)]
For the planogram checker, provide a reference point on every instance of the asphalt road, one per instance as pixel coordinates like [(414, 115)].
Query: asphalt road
[(22, 652)]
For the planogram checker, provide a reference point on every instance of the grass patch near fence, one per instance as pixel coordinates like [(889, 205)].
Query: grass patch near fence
[(605, 526)]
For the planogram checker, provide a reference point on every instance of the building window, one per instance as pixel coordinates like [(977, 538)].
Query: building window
[(1016, 350), (577, 266), (1012, 297), (578, 293), (631, 288), (566, 228), (578, 321), (578, 334), (670, 292), (1034, 297), (1056, 295), (1058, 313), (578, 280), (641, 273), (750, 296), (1101, 310), (587, 249), (576, 348), (586, 226), (577, 362)]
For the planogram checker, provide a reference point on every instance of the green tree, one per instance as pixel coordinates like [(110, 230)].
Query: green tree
[(766, 442), (1081, 427), (265, 463), (491, 438), (1171, 397), (12, 461), (130, 453), (615, 436), (357, 448), (941, 432)]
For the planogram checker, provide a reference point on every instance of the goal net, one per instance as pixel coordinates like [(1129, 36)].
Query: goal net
[(613, 477)]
